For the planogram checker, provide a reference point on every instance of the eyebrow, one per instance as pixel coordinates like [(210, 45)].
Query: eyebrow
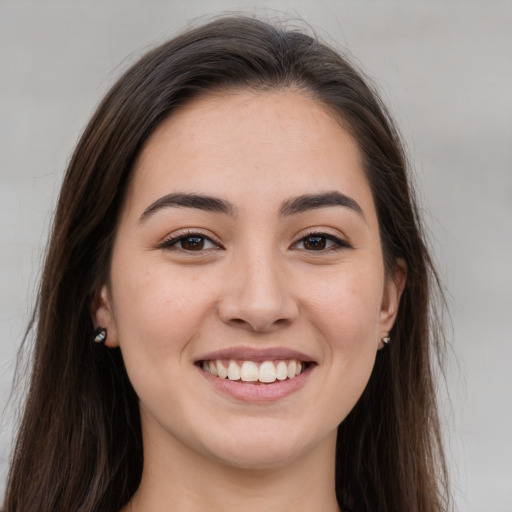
[(186, 200), (291, 206), (307, 202)]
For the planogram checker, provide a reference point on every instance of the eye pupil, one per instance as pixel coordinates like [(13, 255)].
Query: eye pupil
[(192, 243), (315, 243)]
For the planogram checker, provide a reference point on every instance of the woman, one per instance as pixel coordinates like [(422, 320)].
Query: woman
[(235, 310)]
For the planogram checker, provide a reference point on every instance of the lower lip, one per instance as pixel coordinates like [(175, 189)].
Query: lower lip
[(248, 392)]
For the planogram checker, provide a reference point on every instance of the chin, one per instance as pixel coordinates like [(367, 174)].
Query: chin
[(257, 457), (263, 447)]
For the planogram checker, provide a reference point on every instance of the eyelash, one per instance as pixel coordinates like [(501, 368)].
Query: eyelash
[(339, 243), (174, 240)]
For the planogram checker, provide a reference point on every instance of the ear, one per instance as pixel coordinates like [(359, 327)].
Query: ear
[(103, 316), (393, 288)]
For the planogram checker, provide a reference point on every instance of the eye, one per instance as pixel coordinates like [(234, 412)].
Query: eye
[(190, 242), (320, 242)]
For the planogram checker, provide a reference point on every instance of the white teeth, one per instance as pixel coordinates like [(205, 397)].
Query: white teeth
[(222, 371), (267, 372), (249, 372), (281, 371), (233, 371), (213, 368), (292, 366)]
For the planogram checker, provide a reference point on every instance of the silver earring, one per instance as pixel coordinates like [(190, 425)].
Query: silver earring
[(386, 340), (100, 335)]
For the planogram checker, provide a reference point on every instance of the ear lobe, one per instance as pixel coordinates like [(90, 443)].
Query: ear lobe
[(395, 284), (103, 316)]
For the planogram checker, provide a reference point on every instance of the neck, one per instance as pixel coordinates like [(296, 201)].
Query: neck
[(175, 478)]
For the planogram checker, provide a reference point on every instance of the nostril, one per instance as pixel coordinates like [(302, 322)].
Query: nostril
[(259, 308), (259, 324)]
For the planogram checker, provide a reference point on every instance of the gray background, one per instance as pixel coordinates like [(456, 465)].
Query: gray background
[(445, 70)]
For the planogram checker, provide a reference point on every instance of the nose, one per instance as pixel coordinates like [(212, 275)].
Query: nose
[(257, 295)]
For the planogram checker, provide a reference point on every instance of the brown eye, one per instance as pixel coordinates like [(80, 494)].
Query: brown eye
[(315, 243), (321, 242), (192, 243)]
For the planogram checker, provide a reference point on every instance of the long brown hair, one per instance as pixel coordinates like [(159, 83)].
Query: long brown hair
[(79, 446)]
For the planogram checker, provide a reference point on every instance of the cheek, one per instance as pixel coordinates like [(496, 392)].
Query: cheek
[(345, 307), (157, 315), (157, 310), (345, 316)]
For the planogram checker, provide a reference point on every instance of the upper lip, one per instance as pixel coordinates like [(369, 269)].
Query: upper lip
[(256, 354)]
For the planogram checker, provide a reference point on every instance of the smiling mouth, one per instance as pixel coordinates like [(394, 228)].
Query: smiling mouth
[(251, 372)]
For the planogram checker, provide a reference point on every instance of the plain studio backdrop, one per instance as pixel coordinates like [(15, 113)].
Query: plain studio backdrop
[(445, 70)]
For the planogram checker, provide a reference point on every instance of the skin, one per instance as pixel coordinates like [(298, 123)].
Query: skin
[(258, 283)]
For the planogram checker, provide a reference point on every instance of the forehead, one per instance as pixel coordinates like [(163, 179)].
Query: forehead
[(246, 143)]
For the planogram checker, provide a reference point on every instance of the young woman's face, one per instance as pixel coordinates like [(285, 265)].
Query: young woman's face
[(248, 244)]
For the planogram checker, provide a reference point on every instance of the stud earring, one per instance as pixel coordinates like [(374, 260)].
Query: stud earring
[(383, 342), (100, 335)]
